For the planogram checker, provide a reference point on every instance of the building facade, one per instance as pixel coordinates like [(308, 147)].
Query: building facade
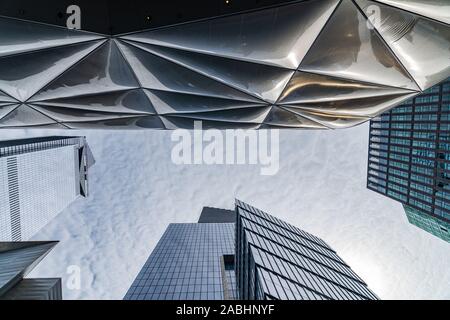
[(17, 259), (257, 257), (275, 260), (39, 178), (409, 158), (186, 264)]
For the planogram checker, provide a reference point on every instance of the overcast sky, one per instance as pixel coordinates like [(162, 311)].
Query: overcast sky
[(136, 191)]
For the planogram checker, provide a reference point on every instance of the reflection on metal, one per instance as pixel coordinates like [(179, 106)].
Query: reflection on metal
[(434, 9), (310, 64), (422, 45)]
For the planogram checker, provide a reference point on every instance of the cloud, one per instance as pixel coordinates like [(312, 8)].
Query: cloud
[(136, 191)]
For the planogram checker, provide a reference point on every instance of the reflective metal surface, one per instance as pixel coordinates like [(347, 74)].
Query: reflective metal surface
[(280, 36), (23, 75), (307, 64), (132, 123), (434, 9), (24, 115), (280, 118), (347, 48), (157, 73), (104, 70), (422, 45), (178, 103), (18, 36), (264, 82), (125, 101)]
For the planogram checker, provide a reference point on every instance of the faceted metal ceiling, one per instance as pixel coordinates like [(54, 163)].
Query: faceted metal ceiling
[(312, 64)]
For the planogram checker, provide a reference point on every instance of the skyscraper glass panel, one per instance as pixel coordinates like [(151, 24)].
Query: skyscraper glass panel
[(409, 156), (39, 178), (275, 260), (186, 264)]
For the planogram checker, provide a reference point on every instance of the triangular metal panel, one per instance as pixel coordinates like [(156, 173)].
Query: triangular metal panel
[(246, 115), (174, 122), (172, 103), (132, 123), (78, 115), (21, 76), (349, 48), (366, 107), (331, 121), (434, 9), (264, 82), (313, 88), (104, 70), (281, 118), (6, 98), (6, 109), (422, 45), (24, 116), (126, 101), (277, 36), (20, 36), (157, 73)]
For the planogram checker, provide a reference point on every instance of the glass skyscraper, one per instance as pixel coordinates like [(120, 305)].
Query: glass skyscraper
[(186, 264), (39, 177), (409, 158), (17, 259), (247, 255), (275, 260)]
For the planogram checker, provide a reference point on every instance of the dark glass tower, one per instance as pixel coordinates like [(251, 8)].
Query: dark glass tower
[(255, 257), (409, 158)]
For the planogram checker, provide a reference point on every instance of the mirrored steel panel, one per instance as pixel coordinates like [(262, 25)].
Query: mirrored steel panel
[(332, 121), (172, 103), (434, 9), (5, 109), (279, 117), (422, 45), (124, 101), (264, 82), (6, 98), (132, 123), (245, 115), (306, 64), (349, 48), (279, 36), (21, 76), (369, 107), (102, 71), (157, 73), (78, 115), (19, 36), (24, 115), (314, 88)]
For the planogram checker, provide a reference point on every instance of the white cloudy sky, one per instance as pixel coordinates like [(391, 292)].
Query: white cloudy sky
[(136, 191)]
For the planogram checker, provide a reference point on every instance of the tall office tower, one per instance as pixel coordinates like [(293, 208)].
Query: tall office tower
[(409, 158), (39, 177), (258, 258), (17, 259), (275, 260), (187, 261)]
